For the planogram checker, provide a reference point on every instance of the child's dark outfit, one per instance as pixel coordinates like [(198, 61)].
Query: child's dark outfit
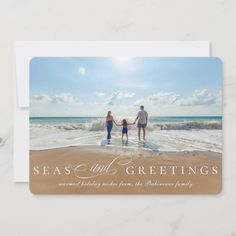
[(125, 129)]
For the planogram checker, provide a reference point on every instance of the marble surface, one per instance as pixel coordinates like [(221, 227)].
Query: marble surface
[(22, 213)]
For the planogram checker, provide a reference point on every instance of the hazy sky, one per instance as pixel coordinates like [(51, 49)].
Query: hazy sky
[(92, 86)]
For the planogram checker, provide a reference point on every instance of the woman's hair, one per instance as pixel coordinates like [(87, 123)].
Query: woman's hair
[(124, 122), (108, 113)]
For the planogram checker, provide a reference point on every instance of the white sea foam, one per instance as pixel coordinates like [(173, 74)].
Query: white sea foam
[(172, 136), (99, 125)]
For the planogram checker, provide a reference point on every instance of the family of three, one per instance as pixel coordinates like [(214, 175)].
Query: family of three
[(142, 118)]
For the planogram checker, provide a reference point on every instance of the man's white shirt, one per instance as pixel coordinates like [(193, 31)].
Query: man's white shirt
[(142, 117)]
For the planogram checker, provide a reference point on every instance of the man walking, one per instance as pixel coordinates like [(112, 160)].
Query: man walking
[(142, 118)]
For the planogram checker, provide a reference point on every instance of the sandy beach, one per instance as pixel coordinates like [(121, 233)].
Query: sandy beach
[(97, 170)]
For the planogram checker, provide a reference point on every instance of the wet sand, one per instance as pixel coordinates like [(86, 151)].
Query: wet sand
[(95, 170)]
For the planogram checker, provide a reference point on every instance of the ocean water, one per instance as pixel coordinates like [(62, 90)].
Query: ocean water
[(199, 133)]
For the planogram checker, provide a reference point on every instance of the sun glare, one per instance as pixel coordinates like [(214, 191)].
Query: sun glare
[(123, 61)]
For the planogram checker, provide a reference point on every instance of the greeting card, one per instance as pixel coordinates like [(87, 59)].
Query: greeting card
[(125, 125)]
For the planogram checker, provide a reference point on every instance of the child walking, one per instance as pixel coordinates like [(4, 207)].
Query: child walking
[(125, 124)]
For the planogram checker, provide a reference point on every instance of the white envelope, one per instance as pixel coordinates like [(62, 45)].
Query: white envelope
[(25, 51)]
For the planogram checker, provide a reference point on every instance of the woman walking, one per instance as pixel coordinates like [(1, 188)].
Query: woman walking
[(109, 125)]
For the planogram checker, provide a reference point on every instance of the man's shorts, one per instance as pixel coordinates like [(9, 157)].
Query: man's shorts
[(142, 125)]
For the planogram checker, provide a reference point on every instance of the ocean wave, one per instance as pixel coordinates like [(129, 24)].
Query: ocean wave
[(100, 125), (191, 125)]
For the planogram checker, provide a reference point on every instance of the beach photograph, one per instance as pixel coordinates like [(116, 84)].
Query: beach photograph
[(125, 125)]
